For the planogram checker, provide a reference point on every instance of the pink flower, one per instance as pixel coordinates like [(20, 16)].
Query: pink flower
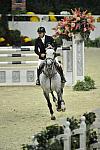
[(77, 26), (75, 15), (66, 28), (84, 29), (72, 24), (79, 22), (78, 18)]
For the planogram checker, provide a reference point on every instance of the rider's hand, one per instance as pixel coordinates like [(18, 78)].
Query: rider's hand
[(43, 55)]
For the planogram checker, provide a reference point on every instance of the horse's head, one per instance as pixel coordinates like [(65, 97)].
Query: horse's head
[(49, 61), (50, 53)]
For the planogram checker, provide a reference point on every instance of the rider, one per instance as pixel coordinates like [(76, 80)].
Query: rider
[(41, 43)]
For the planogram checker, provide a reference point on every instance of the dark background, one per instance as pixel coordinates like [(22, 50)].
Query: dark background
[(44, 6)]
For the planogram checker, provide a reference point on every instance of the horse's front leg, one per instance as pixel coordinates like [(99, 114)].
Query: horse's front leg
[(54, 98), (49, 105), (59, 95), (61, 103)]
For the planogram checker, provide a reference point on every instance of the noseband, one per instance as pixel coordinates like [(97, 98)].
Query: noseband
[(49, 62)]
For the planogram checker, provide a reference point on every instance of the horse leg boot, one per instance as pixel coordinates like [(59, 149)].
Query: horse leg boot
[(60, 71), (59, 95), (50, 106), (61, 103)]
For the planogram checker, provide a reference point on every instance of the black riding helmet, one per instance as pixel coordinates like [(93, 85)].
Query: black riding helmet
[(41, 29)]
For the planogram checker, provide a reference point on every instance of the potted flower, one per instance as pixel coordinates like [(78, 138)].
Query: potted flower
[(26, 41), (80, 22)]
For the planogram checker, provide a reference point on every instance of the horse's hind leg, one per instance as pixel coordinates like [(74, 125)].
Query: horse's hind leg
[(49, 105)]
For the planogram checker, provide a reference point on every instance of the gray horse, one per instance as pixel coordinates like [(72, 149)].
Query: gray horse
[(50, 81)]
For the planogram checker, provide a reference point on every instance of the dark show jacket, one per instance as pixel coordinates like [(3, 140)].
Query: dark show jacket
[(40, 47)]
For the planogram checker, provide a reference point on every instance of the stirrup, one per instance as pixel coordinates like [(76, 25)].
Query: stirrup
[(63, 80), (37, 82)]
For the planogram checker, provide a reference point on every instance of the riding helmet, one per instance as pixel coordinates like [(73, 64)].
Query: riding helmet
[(41, 29)]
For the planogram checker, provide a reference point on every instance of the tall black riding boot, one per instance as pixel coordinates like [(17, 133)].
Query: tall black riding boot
[(38, 80), (39, 71), (59, 68)]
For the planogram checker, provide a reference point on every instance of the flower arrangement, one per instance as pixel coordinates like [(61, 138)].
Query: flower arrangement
[(3, 41), (26, 41), (79, 22)]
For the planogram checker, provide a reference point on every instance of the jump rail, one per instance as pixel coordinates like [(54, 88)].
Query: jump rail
[(16, 74), (17, 55), (22, 48), (19, 62)]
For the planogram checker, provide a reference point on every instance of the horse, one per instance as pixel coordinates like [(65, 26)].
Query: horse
[(50, 81)]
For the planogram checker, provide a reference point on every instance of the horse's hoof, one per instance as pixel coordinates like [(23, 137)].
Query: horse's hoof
[(53, 117), (63, 110), (59, 109), (37, 82)]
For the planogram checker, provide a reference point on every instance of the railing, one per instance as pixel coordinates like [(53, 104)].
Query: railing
[(81, 131), (67, 135)]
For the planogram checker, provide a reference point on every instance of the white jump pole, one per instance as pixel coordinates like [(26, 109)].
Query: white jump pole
[(19, 62)]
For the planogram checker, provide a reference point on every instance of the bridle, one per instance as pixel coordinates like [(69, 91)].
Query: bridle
[(49, 67)]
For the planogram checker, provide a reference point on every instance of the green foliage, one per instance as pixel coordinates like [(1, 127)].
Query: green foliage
[(14, 37), (26, 41), (90, 82), (93, 43), (47, 139), (44, 138), (3, 25), (85, 85), (90, 118), (91, 134), (58, 41), (5, 6), (33, 41), (16, 12), (74, 123), (2, 31)]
